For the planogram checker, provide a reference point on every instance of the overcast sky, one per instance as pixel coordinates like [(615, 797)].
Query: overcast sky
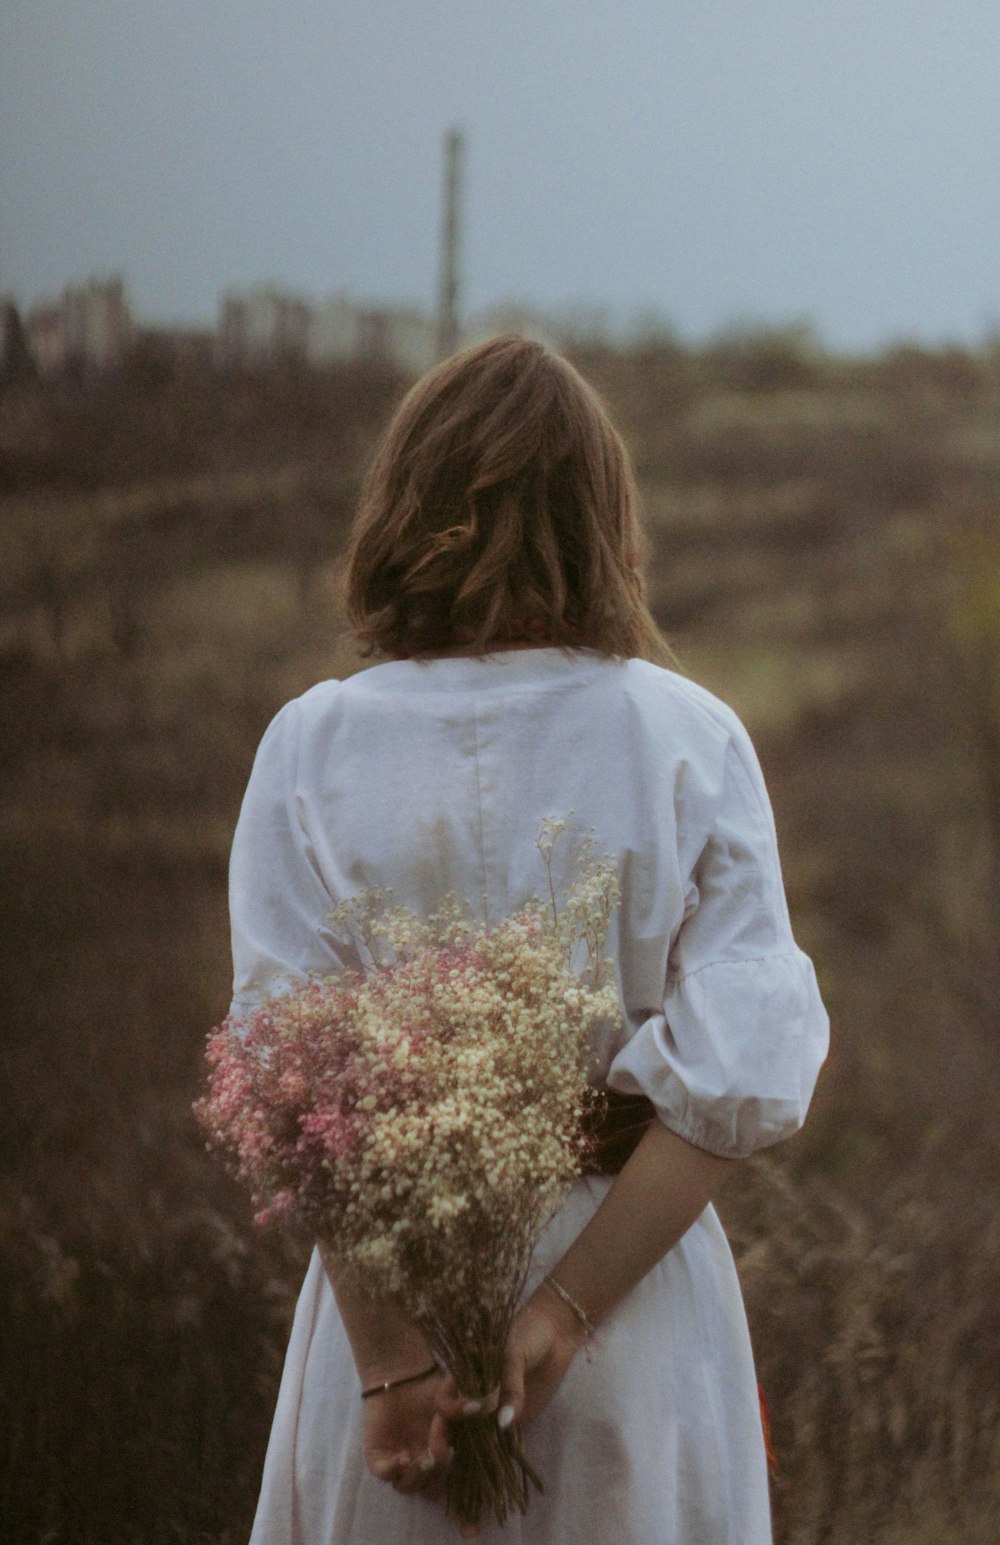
[(717, 162)]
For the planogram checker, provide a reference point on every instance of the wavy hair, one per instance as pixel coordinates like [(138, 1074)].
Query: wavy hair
[(501, 507)]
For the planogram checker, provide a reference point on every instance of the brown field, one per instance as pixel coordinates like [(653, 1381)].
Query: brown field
[(825, 554)]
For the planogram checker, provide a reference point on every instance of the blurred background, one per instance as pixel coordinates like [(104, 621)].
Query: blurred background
[(230, 236)]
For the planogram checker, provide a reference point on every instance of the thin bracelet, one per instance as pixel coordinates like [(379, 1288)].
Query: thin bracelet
[(588, 1325), (411, 1378)]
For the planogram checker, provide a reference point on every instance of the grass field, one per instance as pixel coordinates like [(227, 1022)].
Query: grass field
[(825, 554)]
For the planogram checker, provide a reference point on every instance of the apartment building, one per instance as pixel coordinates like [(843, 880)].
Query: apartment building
[(262, 327), (88, 329)]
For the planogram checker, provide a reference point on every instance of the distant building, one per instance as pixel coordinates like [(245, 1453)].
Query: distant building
[(398, 336), (47, 339), (16, 362), (89, 329), (333, 331), (263, 327)]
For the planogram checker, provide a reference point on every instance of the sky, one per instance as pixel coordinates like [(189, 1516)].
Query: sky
[(713, 164)]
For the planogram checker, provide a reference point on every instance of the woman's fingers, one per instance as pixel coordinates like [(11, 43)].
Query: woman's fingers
[(402, 1471), (436, 1461), (409, 1476), (423, 1471), (449, 1400), (512, 1386), (439, 1450), (454, 1406), (507, 1399), (445, 1390), (383, 1468)]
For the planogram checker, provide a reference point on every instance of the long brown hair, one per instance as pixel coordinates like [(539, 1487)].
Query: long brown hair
[(501, 507)]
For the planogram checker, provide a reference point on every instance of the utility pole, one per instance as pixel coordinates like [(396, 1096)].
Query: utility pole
[(448, 297)]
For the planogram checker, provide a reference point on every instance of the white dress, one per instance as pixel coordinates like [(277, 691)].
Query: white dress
[(435, 777)]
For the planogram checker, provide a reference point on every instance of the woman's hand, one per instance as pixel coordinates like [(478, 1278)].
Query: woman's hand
[(406, 1437), (405, 1443), (542, 1343)]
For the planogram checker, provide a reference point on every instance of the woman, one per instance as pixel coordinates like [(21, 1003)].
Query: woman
[(496, 561)]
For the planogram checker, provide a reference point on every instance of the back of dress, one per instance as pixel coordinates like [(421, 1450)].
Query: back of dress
[(430, 778)]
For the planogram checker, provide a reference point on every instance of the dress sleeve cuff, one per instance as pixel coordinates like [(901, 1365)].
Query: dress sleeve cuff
[(731, 1062)]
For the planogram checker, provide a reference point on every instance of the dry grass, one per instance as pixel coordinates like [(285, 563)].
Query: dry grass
[(170, 577), (878, 1332)]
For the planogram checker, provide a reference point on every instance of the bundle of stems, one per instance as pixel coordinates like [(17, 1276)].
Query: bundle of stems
[(490, 1472)]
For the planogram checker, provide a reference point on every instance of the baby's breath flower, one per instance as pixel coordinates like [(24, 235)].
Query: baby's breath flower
[(421, 1112)]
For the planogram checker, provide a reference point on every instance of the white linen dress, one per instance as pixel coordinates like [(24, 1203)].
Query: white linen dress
[(434, 777)]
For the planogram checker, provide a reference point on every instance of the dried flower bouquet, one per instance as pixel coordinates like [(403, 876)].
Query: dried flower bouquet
[(423, 1114)]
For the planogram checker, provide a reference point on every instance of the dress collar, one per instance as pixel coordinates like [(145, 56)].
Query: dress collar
[(502, 667)]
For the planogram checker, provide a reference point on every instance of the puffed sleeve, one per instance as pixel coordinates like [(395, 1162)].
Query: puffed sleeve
[(731, 1061), (278, 903)]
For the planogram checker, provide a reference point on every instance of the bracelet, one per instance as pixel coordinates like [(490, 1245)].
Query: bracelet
[(411, 1378), (589, 1327)]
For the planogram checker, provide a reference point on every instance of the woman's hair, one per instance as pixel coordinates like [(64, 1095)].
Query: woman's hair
[(501, 506)]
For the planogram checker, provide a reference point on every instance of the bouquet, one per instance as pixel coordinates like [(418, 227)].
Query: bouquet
[(423, 1113)]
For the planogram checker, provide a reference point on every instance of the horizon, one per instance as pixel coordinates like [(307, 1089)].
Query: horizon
[(563, 331), (713, 168)]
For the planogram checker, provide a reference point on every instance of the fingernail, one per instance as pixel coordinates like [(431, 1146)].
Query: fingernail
[(472, 1408), (505, 1417), (427, 1463)]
